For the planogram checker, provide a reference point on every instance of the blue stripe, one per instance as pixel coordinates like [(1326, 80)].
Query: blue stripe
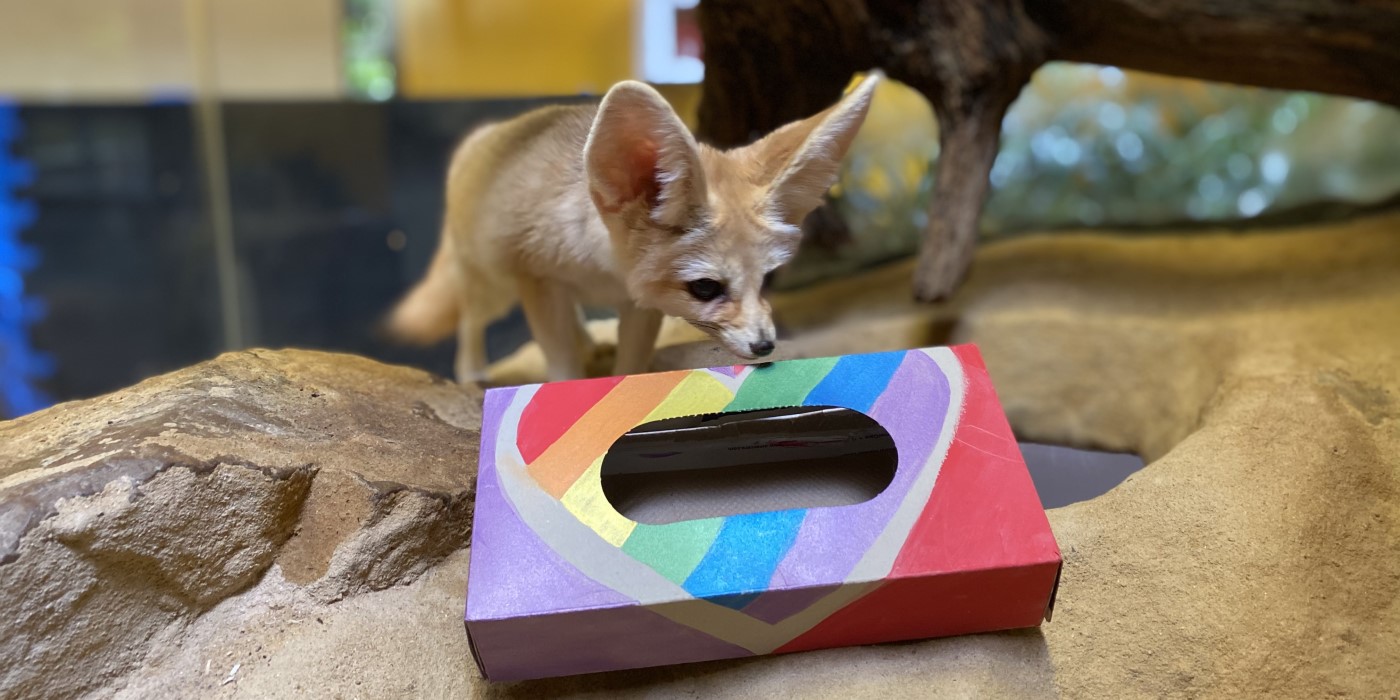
[(856, 381), (744, 556)]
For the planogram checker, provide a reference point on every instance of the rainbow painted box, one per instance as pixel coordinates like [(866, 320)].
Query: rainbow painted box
[(561, 583)]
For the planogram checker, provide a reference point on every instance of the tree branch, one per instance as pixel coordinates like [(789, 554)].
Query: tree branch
[(770, 62)]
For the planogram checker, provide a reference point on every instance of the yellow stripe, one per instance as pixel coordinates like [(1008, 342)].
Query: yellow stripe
[(697, 393), (586, 501)]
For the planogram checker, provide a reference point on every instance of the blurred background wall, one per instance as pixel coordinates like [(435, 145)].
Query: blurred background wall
[(134, 51), (539, 47)]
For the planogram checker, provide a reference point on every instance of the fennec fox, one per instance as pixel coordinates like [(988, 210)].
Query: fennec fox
[(616, 204)]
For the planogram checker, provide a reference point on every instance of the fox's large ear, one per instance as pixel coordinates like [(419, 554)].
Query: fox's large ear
[(638, 150), (802, 159)]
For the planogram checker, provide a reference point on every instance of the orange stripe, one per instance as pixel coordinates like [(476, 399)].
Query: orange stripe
[(620, 411)]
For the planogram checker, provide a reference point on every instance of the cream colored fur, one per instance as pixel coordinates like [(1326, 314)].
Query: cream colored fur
[(617, 205)]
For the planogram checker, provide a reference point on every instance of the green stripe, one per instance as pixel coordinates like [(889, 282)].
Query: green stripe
[(780, 384), (674, 549)]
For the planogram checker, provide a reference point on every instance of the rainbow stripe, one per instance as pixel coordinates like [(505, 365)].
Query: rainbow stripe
[(561, 583), (562, 433)]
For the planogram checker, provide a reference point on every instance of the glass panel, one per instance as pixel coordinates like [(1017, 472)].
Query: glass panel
[(183, 177)]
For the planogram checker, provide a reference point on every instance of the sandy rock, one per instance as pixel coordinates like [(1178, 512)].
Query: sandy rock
[(125, 517), (228, 534)]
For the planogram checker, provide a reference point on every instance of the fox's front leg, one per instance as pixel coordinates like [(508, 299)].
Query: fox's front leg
[(636, 339), (553, 319)]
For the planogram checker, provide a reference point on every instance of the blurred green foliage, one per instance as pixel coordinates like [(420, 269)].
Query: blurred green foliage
[(368, 45), (1092, 146)]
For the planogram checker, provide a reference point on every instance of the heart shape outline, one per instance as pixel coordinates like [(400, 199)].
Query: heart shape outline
[(587, 551)]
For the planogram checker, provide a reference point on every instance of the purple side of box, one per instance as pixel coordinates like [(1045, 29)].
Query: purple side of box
[(589, 641)]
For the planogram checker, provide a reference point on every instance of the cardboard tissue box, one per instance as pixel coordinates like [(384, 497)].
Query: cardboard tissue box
[(918, 516)]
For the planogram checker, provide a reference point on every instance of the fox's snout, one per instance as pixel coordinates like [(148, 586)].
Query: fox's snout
[(750, 341), (751, 350)]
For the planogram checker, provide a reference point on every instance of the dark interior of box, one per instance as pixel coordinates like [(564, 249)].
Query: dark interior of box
[(722, 464)]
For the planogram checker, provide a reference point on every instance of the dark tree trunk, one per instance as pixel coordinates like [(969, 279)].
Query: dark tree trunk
[(773, 61), (970, 59)]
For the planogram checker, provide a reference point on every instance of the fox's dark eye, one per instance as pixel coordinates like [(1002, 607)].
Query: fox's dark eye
[(705, 289)]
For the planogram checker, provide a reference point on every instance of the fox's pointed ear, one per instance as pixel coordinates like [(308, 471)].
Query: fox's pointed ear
[(639, 151), (802, 159)]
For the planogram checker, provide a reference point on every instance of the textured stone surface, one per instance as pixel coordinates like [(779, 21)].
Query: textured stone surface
[(125, 517), (227, 519)]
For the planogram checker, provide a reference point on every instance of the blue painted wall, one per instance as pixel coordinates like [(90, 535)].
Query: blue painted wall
[(21, 366)]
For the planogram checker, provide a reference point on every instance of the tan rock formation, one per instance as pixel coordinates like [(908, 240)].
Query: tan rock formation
[(294, 524)]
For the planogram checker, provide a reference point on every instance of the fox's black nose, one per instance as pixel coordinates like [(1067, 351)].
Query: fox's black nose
[(762, 348)]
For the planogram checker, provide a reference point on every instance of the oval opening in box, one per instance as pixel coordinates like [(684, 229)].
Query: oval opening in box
[(723, 464)]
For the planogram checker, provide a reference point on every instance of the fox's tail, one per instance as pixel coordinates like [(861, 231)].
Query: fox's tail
[(429, 313)]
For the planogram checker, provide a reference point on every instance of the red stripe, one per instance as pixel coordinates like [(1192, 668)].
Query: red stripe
[(554, 409)]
